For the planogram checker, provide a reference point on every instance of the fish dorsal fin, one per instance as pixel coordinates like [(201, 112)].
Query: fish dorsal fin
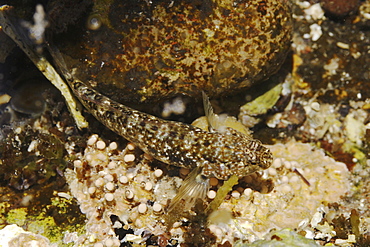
[(219, 123), (213, 119)]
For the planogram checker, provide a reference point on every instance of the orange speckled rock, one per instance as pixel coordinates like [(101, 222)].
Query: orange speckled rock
[(137, 51)]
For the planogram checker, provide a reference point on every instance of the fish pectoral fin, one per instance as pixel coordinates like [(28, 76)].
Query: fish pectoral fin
[(194, 187)]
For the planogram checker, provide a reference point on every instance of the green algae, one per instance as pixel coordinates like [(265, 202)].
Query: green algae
[(282, 238), (46, 226), (221, 193), (264, 102), (17, 216), (52, 221), (4, 206)]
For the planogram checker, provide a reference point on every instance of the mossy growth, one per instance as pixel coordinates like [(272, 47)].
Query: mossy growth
[(17, 216), (31, 162), (28, 157), (52, 221)]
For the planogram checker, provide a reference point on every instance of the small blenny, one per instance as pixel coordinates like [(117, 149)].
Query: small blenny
[(220, 151)]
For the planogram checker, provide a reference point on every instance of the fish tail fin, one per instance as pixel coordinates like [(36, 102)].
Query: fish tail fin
[(59, 61)]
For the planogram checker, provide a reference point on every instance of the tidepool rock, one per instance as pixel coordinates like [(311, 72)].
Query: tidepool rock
[(140, 51)]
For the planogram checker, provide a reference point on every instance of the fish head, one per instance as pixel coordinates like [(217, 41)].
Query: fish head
[(252, 156)]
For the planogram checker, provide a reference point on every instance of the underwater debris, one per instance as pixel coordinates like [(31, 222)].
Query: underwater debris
[(221, 194)]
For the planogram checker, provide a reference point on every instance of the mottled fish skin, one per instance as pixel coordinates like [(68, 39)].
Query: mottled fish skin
[(179, 144)]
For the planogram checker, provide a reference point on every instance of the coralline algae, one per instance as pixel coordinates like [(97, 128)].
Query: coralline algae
[(112, 183)]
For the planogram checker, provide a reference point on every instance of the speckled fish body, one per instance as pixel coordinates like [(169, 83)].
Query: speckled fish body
[(174, 143)]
